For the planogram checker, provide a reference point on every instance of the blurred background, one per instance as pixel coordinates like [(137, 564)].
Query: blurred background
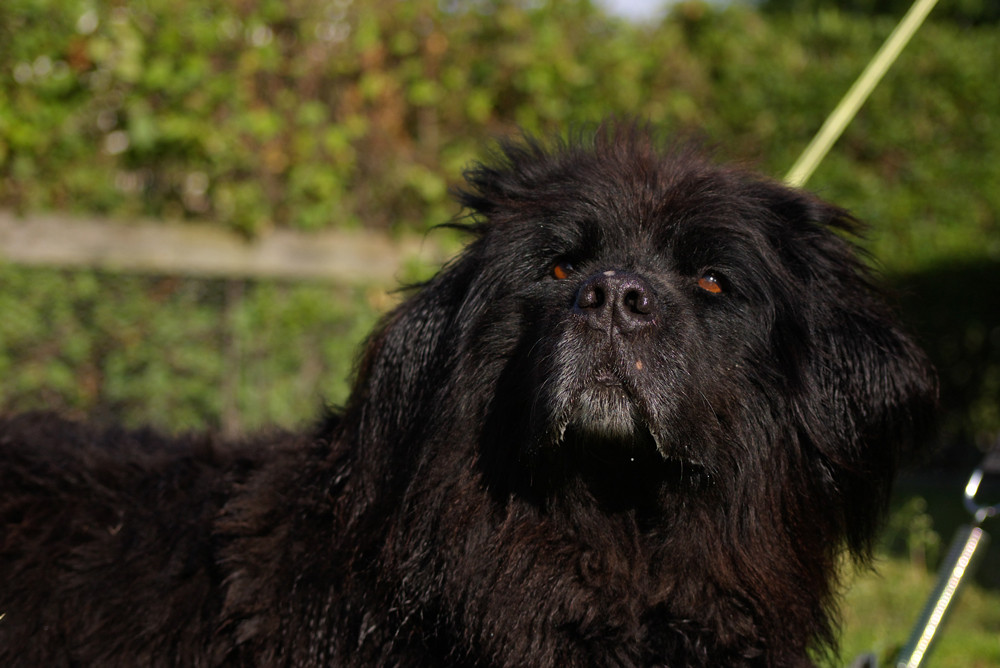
[(239, 124)]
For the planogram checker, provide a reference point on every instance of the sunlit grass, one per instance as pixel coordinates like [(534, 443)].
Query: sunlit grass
[(881, 608)]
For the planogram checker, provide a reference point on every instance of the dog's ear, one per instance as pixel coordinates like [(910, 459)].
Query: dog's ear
[(880, 394), (407, 359), (869, 392)]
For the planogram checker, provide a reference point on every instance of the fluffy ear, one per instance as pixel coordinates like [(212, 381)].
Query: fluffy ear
[(881, 393), (871, 392), (406, 360)]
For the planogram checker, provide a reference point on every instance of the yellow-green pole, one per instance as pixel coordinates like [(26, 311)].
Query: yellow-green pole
[(859, 92)]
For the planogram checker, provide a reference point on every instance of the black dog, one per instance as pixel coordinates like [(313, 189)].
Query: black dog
[(637, 422)]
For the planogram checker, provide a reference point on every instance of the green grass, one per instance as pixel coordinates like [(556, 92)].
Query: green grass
[(881, 608)]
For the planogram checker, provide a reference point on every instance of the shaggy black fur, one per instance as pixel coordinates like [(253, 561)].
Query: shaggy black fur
[(636, 422)]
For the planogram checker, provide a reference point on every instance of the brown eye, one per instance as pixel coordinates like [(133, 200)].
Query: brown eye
[(709, 282), (561, 270)]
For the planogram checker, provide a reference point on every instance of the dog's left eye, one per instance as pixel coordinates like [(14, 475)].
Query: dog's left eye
[(561, 270), (710, 282)]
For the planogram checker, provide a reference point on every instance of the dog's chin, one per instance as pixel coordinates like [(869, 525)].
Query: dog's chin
[(608, 417), (608, 426), (607, 440), (608, 414)]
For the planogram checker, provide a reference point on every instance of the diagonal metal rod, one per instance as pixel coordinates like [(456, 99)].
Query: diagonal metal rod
[(858, 93)]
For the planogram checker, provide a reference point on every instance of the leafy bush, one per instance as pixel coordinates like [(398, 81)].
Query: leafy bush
[(178, 354), (264, 113)]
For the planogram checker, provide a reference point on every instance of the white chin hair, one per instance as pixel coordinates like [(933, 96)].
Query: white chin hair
[(607, 414)]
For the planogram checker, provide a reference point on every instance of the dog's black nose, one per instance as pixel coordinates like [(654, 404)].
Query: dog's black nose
[(615, 299)]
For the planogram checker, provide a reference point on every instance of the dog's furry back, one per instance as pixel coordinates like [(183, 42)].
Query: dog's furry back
[(108, 547)]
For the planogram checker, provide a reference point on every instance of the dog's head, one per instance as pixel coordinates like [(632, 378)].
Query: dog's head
[(638, 312)]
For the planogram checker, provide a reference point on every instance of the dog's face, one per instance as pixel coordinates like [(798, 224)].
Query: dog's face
[(639, 317), (640, 307), (643, 324)]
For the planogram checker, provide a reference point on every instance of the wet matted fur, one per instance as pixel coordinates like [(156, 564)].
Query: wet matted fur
[(636, 422)]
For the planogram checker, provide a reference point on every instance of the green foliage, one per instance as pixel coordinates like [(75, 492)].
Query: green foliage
[(255, 114), (258, 113), (178, 354), (881, 607), (315, 114), (960, 11), (911, 529)]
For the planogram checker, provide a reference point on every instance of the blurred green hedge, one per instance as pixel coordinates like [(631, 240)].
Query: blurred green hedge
[(308, 114)]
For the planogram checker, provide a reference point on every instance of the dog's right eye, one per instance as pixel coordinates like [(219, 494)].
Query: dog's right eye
[(561, 270)]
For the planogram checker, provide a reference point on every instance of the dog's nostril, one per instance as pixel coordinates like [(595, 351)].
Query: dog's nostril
[(638, 301), (591, 296)]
